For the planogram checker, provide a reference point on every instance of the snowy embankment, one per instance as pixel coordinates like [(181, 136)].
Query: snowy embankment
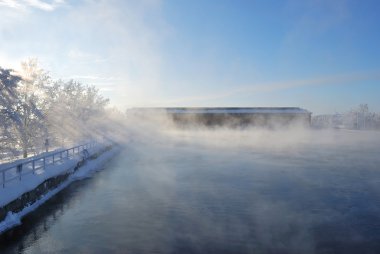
[(30, 182)]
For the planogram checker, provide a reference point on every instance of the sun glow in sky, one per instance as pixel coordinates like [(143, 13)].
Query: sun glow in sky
[(321, 55)]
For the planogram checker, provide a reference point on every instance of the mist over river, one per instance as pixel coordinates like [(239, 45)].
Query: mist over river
[(222, 191)]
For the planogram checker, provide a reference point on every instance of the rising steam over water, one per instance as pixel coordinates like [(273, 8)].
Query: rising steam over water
[(222, 191)]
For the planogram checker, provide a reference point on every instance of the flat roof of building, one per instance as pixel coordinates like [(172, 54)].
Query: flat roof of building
[(226, 110)]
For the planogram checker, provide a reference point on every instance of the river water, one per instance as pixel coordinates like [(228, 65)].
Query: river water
[(229, 194)]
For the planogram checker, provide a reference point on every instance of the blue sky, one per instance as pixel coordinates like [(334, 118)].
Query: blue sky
[(322, 55)]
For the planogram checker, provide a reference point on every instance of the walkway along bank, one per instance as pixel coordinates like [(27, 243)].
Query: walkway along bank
[(27, 184)]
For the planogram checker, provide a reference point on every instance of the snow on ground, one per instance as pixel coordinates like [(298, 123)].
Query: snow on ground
[(14, 219), (16, 188)]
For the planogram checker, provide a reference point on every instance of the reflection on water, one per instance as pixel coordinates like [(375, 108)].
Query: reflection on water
[(185, 196), (35, 225)]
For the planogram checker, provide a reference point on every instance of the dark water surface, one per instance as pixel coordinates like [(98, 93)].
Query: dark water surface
[(184, 197)]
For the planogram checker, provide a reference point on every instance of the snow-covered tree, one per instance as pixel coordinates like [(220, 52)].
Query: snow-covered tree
[(79, 105), (33, 108), (8, 109), (31, 91), (359, 118)]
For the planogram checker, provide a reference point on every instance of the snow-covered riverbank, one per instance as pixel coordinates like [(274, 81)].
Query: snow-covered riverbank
[(32, 181)]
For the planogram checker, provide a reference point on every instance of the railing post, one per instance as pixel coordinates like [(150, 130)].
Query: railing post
[(19, 170), (60, 155), (53, 159), (4, 179), (33, 166), (44, 164)]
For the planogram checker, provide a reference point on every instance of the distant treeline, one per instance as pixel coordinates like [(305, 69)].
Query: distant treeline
[(360, 118), (37, 111)]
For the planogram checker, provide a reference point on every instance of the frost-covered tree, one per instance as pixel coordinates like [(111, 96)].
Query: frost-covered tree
[(33, 108), (360, 118), (80, 106), (8, 109), (31, 92)]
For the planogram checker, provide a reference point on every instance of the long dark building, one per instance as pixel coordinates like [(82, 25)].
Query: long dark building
[(232, 116)]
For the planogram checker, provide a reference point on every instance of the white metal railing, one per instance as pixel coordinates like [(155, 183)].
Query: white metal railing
[(17, 170)]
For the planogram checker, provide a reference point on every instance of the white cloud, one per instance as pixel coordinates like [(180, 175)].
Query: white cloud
[(94, 78), (12, 4), (38, 4)]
